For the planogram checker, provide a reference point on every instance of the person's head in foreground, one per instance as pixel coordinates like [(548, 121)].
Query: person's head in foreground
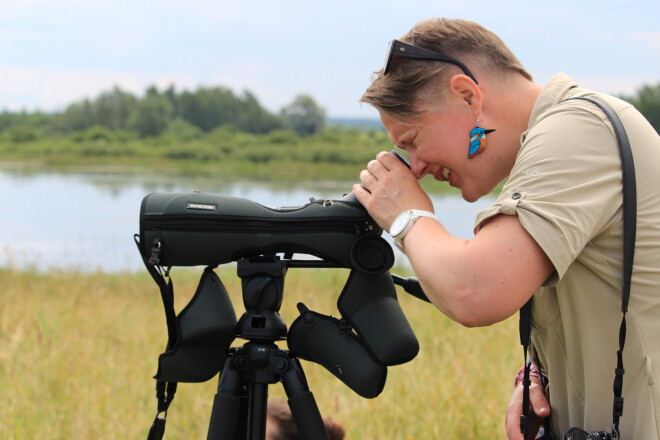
[(281, 426)]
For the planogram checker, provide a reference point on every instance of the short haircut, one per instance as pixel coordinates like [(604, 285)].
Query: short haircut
[(398, 92)]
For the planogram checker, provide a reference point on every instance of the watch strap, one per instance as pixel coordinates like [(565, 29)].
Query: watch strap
[(413, 216)]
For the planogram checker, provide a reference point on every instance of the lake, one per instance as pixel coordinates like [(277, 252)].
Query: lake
[(86, 220)]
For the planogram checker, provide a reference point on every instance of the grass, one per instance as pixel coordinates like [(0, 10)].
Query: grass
[(337, 153), (78, 352)]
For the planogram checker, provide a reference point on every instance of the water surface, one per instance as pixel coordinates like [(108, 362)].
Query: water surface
[(86, 221)]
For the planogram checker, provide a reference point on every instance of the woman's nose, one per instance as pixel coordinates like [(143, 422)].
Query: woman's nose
[(418, 167)]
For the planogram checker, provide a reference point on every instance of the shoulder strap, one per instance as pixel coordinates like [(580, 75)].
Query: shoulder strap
[(629, 201), (629, 197), (165, 391), (629, 236)]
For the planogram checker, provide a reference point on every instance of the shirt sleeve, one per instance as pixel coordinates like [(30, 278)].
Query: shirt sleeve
[(565, 187)]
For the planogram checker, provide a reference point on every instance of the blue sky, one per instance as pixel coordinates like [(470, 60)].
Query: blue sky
[(55, 52)]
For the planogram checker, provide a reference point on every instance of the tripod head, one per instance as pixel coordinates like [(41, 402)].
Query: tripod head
[(263, 292)]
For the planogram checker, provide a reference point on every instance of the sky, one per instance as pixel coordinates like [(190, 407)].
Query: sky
[(53, 53)]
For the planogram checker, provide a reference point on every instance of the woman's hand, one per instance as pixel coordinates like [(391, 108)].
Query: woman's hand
[(540, 408), (389, 188)]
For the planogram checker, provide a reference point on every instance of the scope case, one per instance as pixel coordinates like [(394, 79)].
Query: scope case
[(193, 229)]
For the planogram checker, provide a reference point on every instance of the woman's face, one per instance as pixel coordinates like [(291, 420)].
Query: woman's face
[(438, 144)]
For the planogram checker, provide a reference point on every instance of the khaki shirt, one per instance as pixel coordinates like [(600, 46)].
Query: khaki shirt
[(565, 188)]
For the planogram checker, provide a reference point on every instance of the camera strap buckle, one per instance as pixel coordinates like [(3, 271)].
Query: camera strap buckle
[(154, 258), (165, 393), (618, 406)]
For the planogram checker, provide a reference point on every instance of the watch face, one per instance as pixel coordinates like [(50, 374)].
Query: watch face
[(399, 224)]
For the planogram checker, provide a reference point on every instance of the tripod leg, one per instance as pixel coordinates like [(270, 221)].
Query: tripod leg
[(227, 406), (302, 403), (257, 415)]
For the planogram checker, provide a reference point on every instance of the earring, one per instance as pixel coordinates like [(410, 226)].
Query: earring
[(478, 140)]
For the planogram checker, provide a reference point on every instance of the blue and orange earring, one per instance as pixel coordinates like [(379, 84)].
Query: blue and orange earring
[(478, 141)]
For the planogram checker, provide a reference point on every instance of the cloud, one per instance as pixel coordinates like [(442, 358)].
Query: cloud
[(611, 84), (26, 88), (54, 52), (650, 39)]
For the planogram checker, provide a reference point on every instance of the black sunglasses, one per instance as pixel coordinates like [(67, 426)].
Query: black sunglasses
[(399, 49)]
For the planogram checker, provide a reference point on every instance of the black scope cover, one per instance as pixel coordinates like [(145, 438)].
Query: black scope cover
[(193, 229)]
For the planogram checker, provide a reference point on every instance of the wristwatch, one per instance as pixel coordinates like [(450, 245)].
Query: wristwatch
[(404, 222)]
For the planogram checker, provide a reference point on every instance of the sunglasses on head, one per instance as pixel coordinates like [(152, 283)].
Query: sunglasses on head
[(398, 49)]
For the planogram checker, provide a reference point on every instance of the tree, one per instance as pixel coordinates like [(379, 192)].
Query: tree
[(77, 117), (304, 116), (208, 108), (112, 109), (253, 118), (151, 115), (647, 102)]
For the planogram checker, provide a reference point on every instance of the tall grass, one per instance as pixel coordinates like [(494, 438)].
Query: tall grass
[(78, 352)]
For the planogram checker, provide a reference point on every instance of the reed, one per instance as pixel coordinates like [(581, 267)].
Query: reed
[(78, 352)]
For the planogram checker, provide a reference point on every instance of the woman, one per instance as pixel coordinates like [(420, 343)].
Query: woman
[(468, 113)]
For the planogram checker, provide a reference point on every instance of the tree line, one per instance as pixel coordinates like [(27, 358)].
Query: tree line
[(202, 110), (193, 114)]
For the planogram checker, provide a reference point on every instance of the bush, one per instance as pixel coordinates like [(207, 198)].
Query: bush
[(181, 130), (21, 133), (282, 137), (97, 133)]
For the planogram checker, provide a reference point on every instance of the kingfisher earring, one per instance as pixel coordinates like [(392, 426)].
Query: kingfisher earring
[(478, 140)]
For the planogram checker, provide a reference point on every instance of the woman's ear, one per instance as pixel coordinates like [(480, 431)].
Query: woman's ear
[(465, 89)]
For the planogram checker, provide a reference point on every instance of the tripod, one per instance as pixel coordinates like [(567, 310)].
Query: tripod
[(239, 407)]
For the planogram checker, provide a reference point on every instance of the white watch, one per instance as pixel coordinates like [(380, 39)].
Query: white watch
[(404, 222)]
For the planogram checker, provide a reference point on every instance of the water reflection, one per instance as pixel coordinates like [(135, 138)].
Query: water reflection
[(86, 221)]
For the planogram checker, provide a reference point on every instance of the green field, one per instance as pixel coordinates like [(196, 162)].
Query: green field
[(337, 153), (78, 352)]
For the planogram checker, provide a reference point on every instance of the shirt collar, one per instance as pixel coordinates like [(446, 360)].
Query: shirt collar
[(555, 90)]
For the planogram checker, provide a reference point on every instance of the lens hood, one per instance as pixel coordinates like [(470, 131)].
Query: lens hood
[(369, 303), (330, 342), (205, 329)]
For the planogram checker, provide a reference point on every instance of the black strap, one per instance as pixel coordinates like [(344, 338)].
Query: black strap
[(165, 391), (629, 197), (525, 330), (629, 202), (629, 237), (165, 394)]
